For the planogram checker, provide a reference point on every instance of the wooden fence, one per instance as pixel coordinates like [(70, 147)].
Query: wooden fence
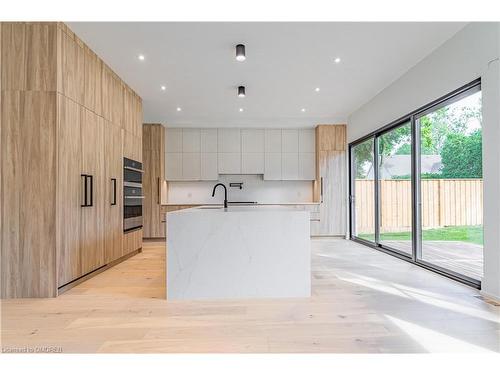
[(445, 202)]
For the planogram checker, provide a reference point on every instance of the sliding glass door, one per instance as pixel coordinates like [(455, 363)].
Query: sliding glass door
[(363, 188), (394, 188), (451, 185), (416, 187)]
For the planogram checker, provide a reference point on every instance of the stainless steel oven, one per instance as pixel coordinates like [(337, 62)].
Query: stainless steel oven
[(132, 195)]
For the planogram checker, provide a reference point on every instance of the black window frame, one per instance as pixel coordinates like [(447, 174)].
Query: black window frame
[(411, 117)]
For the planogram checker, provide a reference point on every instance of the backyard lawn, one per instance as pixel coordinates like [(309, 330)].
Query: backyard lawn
[(472, 234)]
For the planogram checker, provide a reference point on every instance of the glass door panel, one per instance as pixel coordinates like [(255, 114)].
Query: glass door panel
[(451, 215), (363, 210), (394, 188)]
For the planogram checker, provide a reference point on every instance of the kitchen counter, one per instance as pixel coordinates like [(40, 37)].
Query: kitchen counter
[(257, 204), (238, 252)]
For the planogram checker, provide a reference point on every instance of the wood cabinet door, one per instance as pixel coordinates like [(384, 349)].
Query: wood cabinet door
[(113, 193), (92, 216), (156, 178), (69, 191)]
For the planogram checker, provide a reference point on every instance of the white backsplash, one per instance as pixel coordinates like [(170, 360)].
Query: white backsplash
[(255, 189)]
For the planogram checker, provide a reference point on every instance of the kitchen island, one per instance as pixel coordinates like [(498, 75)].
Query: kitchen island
[(238, 252)]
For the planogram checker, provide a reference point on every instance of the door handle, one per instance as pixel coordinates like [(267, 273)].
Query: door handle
[(113, 182), (91, 179), (84, 180), (158, 187)]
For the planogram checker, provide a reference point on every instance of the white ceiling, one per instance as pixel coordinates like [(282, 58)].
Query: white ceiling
[(285, 63)]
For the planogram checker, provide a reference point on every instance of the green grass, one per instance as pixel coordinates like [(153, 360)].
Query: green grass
[(472, 234)]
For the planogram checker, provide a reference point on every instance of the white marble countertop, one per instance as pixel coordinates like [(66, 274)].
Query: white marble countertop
[(257, 204), (217, 209)]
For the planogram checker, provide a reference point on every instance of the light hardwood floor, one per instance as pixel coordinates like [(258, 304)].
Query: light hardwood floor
[(363, 301)]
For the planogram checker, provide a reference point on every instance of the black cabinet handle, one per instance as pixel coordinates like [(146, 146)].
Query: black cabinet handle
[(91, 190), (84, 190), (88, 190), (158, 187), (113, 181)]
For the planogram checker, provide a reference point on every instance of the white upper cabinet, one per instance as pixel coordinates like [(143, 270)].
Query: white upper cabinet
[(191, 166), (229, 162), (203, 154), (229, 140), (307, 165), (208, 140), (307, 140), (191, 140), (289, 140), (272, 165), (252, 140), (272, 139), (290, 166), (209, 168), (173, 140), (252, 163), (173, 166)]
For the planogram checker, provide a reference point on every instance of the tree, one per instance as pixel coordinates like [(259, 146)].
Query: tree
[(462, 156)]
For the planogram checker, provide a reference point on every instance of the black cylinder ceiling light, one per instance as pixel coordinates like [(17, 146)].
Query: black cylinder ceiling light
[(241, 91), (240, 52)]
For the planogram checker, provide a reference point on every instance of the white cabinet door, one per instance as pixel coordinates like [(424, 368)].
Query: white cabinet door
[(191, 140), (272, 140), (307, 165), (290, 166), (229, 140), (252, 140), (191, 166), (307, 140), (272, 168), (173, 140), (173, 166), (209, 171), (252, 163), (229, 162), (208, 140), (289, 140)]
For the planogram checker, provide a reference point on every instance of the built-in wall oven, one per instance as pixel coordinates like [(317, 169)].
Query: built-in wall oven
[(132, 195)]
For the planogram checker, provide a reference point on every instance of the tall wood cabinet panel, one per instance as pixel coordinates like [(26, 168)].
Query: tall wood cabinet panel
[(69, 192), (113, 193), (28, 210), (92, 217), (330, 186), (62, 115), (154, 167)]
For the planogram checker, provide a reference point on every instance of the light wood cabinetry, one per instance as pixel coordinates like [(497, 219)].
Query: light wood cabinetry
[(113, 193), (152, 183), (330, 186), (63, 114), (69, 192), (132, 241)]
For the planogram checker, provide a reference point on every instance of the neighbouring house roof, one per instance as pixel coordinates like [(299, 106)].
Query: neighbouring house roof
[(400, 165)]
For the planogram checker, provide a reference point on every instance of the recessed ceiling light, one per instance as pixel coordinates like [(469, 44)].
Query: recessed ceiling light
[(337, 60), (303, 110), (179, 109), (163, 88), (240, 52), (141, 57), (241, 91), (241, 109), (317, 89)]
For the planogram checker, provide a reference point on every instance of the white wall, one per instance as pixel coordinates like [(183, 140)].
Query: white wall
[(255, 189), (468, 55)]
